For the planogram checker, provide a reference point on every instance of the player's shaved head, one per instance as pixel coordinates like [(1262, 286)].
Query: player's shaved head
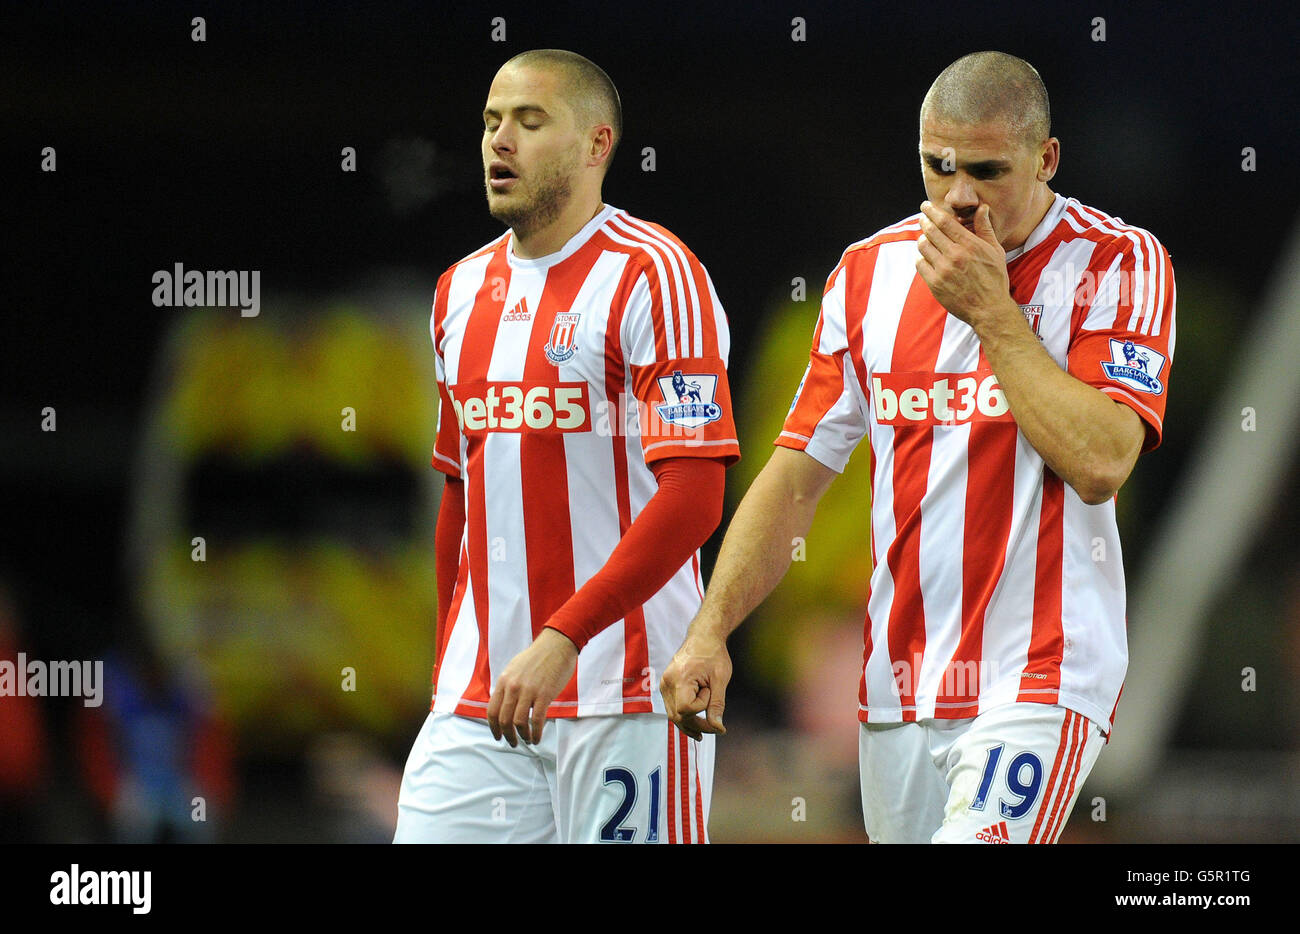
[(991, 87), (589, 91)]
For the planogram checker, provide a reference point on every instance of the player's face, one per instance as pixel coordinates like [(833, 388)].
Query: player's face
[(964, 166), (531, 147)]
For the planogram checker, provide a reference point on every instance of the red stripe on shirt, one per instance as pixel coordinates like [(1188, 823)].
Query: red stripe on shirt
[(990, 491), (475, 355), (447, 443), (682, 266), (1046, 640), (543, 468), (1025, 270), (705, 309), (875, 557), (440, 309), (916, 347), (857, 291), (636, 651), (453, 608), (663, 290), (639, 264)]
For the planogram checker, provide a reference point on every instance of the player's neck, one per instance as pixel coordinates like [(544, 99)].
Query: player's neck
[(544, 241), (1043, 200)]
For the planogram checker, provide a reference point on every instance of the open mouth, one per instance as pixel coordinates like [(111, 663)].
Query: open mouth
[(501, 176)]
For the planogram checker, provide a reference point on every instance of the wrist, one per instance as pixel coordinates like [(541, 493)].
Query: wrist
[(708, 629), (1001, 324), (556, 635)]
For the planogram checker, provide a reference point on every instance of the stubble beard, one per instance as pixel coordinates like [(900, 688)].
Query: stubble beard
[(552, 190)]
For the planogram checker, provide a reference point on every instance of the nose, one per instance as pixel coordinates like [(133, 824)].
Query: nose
[(961, 193), (503, 139)]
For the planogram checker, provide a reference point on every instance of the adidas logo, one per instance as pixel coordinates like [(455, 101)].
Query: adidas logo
[(997, 833), (519, 313)]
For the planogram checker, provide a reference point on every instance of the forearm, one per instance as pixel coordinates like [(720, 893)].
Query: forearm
[(446, 542), (1085, 437), (678, 519), (758, 547)]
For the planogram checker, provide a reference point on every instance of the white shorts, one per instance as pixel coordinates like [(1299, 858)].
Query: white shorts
[(630, 778), (1010, 775)]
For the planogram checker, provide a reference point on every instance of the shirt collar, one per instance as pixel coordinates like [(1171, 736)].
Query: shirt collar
[(571, 246), (1044, 228)]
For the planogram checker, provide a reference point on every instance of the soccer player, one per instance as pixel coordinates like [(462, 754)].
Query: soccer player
[(580, 485), (1005, 352)]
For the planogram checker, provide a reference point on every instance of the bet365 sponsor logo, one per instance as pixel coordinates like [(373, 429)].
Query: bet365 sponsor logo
[(521, 407), (920, 398)]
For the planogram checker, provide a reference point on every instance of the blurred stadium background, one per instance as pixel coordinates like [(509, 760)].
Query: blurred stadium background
[(227, 675)]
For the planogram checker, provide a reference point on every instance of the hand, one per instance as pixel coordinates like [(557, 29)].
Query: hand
[(966, 272), (530, 682), (696, 680)]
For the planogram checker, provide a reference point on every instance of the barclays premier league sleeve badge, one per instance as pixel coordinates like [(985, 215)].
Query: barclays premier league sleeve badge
[(688, 399), (1135, 366)]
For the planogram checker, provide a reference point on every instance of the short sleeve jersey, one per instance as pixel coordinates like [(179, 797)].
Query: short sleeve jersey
[(992, 581), (561, 379)]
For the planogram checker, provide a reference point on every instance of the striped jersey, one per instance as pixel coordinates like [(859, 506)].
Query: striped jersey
[(992, 581), (561, 378)]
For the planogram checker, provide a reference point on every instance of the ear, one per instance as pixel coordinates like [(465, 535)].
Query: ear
[(1049, 159), (600, 145)]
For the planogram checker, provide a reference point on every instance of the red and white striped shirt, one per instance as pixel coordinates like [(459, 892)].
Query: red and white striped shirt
[(992, 581), (561, 378)]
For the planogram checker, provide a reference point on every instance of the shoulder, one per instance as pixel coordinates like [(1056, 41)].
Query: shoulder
[(1110, 231), (649, 245), (442, 290), (490, 247), (864, 251)]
